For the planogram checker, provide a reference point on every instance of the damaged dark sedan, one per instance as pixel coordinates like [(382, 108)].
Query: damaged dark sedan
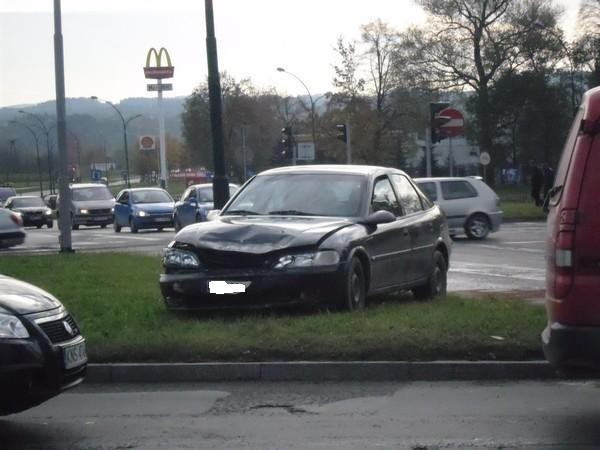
[(311, 234)]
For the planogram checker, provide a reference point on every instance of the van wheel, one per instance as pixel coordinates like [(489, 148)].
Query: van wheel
[(436, 282), (477, 227)]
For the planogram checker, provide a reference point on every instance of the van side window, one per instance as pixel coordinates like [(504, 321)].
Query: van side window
[(452, 190), (567, 154)]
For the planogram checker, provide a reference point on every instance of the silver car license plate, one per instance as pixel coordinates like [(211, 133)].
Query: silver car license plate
[(75, 355)]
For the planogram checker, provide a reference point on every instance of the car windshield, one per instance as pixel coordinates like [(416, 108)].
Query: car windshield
[(151, 196), (91, 194), (6, 192), (312, 194), (28, 202)]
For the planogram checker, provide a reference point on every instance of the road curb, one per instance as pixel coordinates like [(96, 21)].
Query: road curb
[(320, 371)]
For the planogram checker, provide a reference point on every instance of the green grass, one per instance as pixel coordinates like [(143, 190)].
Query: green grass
[(517, 204), (117, 302)]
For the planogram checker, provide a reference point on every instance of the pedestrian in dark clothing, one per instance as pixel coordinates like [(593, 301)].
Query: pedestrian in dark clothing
[(548, 180), (537, 182)]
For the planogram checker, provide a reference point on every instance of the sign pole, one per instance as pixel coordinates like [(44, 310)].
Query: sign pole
[(348, 143), (163, 144), (428, 151), (450, 156)]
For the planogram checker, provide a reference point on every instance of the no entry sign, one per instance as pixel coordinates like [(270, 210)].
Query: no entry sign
[(455, 126)]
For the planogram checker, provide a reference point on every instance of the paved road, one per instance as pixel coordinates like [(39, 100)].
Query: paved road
[(512, 259), (448, 415)]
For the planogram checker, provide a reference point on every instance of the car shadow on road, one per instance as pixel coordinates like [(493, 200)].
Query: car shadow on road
[(35, 435)]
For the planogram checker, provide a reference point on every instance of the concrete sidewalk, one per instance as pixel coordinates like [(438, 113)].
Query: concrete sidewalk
[(320, 371)]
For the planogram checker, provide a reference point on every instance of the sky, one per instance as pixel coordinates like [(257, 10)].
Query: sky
[(106, 42)]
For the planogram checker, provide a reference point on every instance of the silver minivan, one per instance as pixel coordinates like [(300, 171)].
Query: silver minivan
[(470, 205)]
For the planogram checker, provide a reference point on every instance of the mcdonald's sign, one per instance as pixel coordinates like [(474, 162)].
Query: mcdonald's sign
[(158, 71)]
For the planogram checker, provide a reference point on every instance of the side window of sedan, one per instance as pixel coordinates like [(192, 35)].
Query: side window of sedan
[(384, 198), (409, 199), (124, 198)]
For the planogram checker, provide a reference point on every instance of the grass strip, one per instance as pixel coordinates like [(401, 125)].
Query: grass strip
[(116, 299)]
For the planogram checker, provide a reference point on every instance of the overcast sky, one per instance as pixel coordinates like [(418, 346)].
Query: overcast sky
[(106, 42)]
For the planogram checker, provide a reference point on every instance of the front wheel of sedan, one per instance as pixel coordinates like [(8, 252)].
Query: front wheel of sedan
[(132, 226), (436, 282), (355, 292), (477, 227), (116, 226), (177, 224)]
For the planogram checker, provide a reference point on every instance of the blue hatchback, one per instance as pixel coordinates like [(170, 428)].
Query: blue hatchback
[(195, 203), (143, 208)]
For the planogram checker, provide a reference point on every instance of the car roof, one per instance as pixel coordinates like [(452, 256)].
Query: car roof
[(331, 169), (207, 185), (86, 185), (149, 188), (443, 179), (24, 196)]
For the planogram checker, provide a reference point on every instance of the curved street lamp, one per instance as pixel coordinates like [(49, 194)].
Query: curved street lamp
[(312, 102), (125, 123), (47, 133), (37, 151)]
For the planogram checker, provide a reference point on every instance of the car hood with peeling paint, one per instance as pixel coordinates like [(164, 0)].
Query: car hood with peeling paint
[(252, 234)]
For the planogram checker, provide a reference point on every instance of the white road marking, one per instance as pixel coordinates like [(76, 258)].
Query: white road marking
[(524, 242), (512, 249), (499, 271)]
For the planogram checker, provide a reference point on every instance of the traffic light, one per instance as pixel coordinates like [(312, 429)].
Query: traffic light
[(437, 121), (341, 132), (287, 142)]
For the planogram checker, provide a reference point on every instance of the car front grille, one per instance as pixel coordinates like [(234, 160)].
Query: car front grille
[(57, 332), (215, 259)]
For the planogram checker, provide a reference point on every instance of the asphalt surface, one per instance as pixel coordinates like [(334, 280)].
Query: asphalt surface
[(448, 415), (510, 260)]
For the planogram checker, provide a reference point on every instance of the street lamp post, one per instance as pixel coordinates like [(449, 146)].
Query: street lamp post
[(312, 103), (37, 152), (125, 123), (49, 152)]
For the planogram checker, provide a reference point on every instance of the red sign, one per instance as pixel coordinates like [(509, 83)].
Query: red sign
[(455, 126), (159, 72)]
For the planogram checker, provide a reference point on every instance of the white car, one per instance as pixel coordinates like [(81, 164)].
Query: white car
[(11, 229), (470, 205)]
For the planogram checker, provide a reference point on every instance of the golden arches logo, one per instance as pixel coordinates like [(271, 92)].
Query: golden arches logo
[(158, 71)]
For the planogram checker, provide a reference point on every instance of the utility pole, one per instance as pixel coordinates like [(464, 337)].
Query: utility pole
[(64, 219), (220, 182), (348, 143), (244, 153)]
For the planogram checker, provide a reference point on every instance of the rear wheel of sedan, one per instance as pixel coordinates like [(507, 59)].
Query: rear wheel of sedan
[(477, 227), (132, 226), (354, 297), (436, 282)]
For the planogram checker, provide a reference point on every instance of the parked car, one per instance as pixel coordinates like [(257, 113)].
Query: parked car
[(33, 210), (309, 234), (571, 339), (143, 208), (5, 193), (195, 204), (470, 205), (11, 229), (43, 351), (91, 204)]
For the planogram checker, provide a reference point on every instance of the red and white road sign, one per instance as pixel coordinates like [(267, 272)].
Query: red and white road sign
[(455, 126)]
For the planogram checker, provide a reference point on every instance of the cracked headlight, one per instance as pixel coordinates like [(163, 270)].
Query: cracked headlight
[(317, 259), (181, 259), (12, 328)]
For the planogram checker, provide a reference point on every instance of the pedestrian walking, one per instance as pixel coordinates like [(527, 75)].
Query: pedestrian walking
[(537, 182), (548, 180)]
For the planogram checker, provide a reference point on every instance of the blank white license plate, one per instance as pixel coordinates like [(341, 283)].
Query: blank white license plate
[(227, 287), (74, 355)]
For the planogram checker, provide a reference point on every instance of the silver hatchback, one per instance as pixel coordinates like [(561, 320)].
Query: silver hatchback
[(470, 205)]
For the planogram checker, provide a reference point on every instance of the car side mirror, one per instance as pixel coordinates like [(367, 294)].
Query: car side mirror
[(212, 214), (379, 217)]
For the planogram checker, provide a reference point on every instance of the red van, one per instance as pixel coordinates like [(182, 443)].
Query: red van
[(572, 338)]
